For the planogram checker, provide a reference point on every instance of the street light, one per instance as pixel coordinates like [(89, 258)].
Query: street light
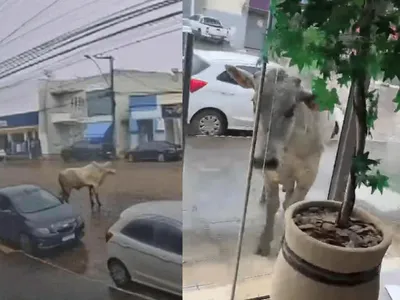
[(111, 88)]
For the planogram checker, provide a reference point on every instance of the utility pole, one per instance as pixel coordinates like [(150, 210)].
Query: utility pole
[(111, 93)]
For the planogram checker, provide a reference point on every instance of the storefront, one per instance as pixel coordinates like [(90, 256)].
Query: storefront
[(19, 134), (155, 118), (145, 122)]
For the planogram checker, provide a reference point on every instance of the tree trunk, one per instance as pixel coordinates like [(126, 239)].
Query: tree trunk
[(360, 82)]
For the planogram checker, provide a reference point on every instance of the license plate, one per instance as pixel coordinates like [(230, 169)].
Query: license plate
[(68, 237)]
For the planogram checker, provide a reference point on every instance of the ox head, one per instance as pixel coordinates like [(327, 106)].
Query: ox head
[(106, 167), (287, 93)]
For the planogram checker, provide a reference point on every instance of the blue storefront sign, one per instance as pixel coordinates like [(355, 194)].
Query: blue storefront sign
[(20, 120)]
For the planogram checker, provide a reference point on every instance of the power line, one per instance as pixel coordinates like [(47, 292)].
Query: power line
[(16, 70), (83, 59), (69, 36), (63, 37), (137, 41), (29, 20), (50, 21)]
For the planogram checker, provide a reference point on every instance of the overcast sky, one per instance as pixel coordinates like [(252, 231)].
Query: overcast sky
[(145, 52)]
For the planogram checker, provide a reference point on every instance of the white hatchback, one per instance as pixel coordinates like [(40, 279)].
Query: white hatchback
[(145, 246), (217, 103)]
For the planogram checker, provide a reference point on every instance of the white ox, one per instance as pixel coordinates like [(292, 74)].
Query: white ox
[(91, 176), (296, 140)]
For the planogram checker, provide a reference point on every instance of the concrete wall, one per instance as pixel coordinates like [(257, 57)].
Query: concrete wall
[(126, 83)]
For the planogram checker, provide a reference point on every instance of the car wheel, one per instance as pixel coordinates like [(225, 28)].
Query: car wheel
[(209, 122), (131, 158), (118, 272), (26, 244), (161, 157)]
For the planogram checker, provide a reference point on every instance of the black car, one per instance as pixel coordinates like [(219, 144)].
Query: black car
[(155, 151), (36, 220), (86, 150)]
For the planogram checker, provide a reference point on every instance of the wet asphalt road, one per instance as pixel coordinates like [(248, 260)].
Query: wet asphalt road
[(133, 183), (24, 278)]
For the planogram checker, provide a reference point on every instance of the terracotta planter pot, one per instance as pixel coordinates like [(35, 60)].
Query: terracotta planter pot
[(307, 269)]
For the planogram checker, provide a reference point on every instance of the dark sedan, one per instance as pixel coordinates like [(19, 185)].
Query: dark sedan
[(155, 151), (36, 220), (86, 150)]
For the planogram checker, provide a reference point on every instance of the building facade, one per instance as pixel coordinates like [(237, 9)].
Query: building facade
[(75, 110), (155, 118), (19, 134)]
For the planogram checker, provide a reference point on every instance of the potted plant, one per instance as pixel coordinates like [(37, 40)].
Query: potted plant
[(333, 250)]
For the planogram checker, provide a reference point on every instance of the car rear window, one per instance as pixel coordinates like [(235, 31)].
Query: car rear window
[(225, 77), (212, 22), (198, 64)]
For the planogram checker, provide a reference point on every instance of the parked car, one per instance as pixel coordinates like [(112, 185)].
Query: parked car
[(86, 150), (217, 103), (37, 220), (208, 28), (155, 151), (145, 246)]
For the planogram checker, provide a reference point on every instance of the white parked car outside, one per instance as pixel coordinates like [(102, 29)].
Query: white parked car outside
[(208, 28), (145, 246), (217, 103)]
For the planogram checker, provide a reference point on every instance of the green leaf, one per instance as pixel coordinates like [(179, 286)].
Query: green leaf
[(359, 3), (378, 182), (362, 163), (325, 98)]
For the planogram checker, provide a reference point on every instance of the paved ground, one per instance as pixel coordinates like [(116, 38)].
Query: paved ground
[(38, 281), (214, 176), (133, 183)]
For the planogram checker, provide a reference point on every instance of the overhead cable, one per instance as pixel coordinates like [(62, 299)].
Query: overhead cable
[(81, 59), (50, 21), (29, 20), (74, 35), (16, 70)]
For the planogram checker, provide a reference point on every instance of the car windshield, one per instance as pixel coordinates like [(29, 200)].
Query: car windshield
[(212, 22), (34, 200)]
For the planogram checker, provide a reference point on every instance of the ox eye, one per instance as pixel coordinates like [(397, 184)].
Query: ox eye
[(289, 113)]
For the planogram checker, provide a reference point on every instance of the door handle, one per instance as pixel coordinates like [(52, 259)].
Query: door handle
[(225, 93)]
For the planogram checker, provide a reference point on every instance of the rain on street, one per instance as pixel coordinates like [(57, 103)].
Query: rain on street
[(132, 183)]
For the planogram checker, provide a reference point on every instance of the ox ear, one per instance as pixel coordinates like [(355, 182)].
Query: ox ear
[(242, 77), (308, 99)]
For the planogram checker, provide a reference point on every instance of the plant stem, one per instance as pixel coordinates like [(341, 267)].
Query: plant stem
[(361, 81)]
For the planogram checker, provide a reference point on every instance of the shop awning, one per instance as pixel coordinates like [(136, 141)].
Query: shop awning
[(100, 131)]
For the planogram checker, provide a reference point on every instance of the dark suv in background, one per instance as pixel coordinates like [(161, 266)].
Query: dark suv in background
[(155, 151), (87, 150)]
